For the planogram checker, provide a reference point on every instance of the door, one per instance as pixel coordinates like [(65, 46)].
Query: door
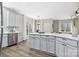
[(43, 44), (60, 49), (51, 45), (70, 51)]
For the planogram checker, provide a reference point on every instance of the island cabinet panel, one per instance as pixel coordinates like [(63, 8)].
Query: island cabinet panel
[(70, 51), (31, 42), (60, 49), (37, 43), (43, 43), (65, 48), (71, 48), (71, 42), (60, 46), (51, 45)]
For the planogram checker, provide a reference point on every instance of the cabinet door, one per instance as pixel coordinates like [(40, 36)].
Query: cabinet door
[(70, 51), (17, 20), (12, 18), (20, 38), (31, 42), (4, 41), (43, 44), (50, 45), (37, 43), (60, 49)]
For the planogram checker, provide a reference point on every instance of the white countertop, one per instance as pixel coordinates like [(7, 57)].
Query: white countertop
[(9, 32), (69, 36)]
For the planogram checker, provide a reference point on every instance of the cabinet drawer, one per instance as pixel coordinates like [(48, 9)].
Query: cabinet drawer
[(71, 42), (34, 36), (60, 39), (48, 36), (67, 41)]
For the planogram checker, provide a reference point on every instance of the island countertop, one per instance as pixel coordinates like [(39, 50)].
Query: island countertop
[(69, 36)]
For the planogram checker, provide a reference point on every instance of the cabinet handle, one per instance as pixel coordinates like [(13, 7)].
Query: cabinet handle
[(47, 36), (64, 44), (64, 39)]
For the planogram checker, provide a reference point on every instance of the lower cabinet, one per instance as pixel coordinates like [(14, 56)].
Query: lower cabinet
[(60, 49), (63, 49), (43, 44), (4, 41), (20, 38), (37, 43), (51, 45), (31, 42), (70, 51)]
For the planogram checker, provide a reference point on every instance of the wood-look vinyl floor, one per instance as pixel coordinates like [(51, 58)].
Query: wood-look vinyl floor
[(21, 50)]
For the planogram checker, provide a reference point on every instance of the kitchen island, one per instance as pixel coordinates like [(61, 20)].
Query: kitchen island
[(62, 45)]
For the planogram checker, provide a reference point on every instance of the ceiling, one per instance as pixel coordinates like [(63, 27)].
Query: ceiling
[(44, 10)]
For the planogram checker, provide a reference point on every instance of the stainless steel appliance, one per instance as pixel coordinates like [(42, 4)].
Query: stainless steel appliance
[(12, 39)]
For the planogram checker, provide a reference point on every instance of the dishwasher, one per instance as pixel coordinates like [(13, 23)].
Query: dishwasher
[(12, 39)]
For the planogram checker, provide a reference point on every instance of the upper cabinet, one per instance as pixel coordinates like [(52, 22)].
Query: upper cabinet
[(5, 16), (65, 26), (12, 18)]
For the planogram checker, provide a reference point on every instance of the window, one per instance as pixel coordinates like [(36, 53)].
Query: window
[(65, 26)]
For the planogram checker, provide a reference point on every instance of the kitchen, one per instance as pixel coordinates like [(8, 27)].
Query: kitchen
[(50, 28)]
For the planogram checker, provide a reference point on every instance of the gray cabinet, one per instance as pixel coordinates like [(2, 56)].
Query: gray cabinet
[(70, 51), (66, 47), (43, 43), (60, 49), (20, 38), (37, 43), (4, 41), (31, 42), (34, 42), (71, 48), (51, 44), (9, 39)]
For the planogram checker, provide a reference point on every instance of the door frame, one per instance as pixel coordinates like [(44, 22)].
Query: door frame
[(1, 27)]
